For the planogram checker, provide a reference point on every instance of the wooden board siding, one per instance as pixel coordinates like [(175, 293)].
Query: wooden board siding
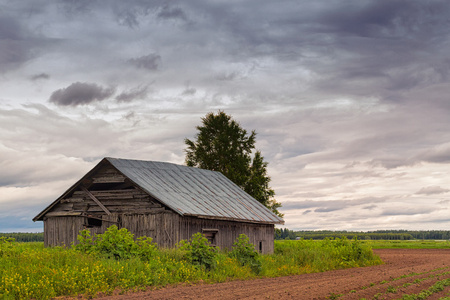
[(63, 231), (163, 228), (228, 231)]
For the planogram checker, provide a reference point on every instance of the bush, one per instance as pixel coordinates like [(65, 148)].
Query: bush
[(245, 253), (116, 243), (199, 252)]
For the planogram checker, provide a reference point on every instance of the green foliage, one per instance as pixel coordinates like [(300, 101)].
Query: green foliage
[(222, 145), (376, 235), (409, 244), (146, 249), (85, 241), (6, 245), (245, 253), (284, 234), (199, 252), (115, 243), (25, 236)]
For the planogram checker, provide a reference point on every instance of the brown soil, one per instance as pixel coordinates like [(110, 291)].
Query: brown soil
[(406, 271)]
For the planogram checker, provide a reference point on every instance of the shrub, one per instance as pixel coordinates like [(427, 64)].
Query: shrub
[(245, 253), (199, 252), (85, 242), (116, 243), (146, 249)]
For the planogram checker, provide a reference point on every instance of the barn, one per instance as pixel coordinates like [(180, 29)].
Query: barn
[(164, 201)]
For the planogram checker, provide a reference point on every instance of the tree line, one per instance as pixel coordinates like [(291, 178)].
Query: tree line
[(24, 236), (286, 234)]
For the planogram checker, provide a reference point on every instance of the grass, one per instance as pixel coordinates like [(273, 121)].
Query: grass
[(407, 244), (28, 270)]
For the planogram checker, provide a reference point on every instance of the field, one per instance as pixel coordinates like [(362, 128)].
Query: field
[(28, 270), (407, 274)]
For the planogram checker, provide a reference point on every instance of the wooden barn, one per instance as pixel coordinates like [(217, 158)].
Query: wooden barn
[(165, 201)]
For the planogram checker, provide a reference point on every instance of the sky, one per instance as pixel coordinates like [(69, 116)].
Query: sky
[(350, 100)]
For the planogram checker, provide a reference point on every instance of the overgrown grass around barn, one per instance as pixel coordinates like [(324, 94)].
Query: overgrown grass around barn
[(28, 270)]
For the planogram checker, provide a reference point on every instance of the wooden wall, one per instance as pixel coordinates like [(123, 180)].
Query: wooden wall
[(163, 228), (228, 231), (63, 231)]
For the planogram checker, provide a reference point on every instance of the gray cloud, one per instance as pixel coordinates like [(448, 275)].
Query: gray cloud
[(331, 205), (40, 76), (167, 12), (408, 211), (14, 48), (80, 93), (150, 62), (136, 93), (432, 190)]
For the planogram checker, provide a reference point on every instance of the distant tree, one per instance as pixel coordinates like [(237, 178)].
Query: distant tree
[(222, 145)]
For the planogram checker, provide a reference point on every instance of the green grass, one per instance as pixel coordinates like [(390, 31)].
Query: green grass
[(28, 270), (408, 244)]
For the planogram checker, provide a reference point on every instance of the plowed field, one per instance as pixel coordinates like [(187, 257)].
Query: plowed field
[(405, 272)]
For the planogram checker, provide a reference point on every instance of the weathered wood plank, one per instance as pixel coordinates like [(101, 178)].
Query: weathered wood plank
[(109, 179), (62, 213), (96, 200)]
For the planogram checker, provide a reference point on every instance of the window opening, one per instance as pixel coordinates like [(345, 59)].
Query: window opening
[(260, 246), (93, 222), (210, 234)]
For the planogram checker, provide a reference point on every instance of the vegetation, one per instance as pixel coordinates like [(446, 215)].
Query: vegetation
[(285, 233), (25, 236), (99, 263), (409, 244), (222, 145)]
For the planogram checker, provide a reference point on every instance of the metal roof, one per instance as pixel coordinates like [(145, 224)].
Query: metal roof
[(194, 192)]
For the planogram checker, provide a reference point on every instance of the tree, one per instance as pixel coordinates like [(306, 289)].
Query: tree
[(223, 145)]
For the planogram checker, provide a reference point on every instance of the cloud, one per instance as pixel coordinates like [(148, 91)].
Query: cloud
[(14, 48), (432, 190), (408, 211), (40, 76), (136, 93), (167, 12), (149, 62), (331, 205), (80, 93)]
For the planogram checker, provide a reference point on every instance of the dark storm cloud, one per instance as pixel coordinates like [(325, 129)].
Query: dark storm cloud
[(79, 93), (149, 62), (167, 12), (376, 32), (14, 48), (133, 94)]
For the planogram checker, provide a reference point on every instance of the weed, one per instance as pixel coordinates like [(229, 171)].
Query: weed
[(245, 253), (391, 289), (334, 296)]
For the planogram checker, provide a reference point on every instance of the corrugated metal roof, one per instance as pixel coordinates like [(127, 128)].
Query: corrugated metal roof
[(194, 191)]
